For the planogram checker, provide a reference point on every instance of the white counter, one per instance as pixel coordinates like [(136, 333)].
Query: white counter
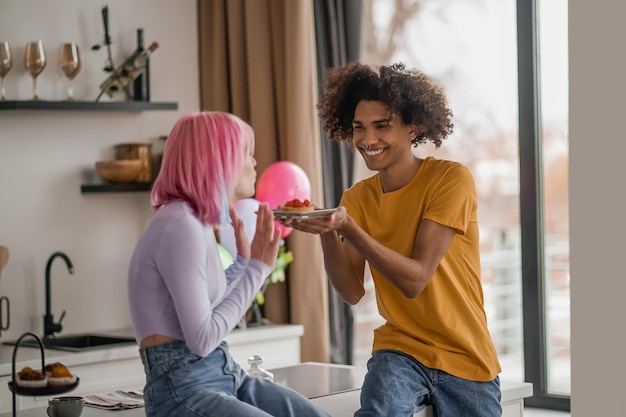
[(334, 388), (244, 342), (114, 367), (337, 388), (29, 356)]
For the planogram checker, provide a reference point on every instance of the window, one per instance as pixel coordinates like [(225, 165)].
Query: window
[(555, 146)]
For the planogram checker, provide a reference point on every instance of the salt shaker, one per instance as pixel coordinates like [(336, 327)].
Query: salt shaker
[(256, 368)]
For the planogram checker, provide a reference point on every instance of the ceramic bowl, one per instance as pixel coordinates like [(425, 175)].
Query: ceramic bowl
[(117, 171)]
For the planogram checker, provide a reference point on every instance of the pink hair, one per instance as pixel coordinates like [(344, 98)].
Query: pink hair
[(202, 160)]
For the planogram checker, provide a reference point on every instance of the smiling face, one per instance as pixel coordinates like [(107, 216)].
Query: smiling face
[(381, 137)]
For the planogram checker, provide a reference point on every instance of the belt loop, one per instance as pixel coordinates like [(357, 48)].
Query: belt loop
[(144, 360)]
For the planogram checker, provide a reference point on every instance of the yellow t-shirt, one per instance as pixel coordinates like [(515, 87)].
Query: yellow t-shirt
[(445, 326)]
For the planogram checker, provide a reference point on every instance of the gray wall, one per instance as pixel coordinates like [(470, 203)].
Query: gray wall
[(597, 150)]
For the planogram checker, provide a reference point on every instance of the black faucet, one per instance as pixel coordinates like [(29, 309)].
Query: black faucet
[(49, 326)]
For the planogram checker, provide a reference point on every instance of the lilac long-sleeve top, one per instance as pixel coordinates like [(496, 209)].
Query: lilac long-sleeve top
[(177, 286)]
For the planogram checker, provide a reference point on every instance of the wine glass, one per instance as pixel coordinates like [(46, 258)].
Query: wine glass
[(5, 65), (70, 65), (35, 62)]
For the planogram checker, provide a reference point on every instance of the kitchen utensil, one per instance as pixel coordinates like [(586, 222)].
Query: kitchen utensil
[(4, 257), (141, 151), (108, 65), (5, 314), (66, 406), (120, 170)]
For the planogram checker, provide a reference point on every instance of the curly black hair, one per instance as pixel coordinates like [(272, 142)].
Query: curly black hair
[(412, 95)]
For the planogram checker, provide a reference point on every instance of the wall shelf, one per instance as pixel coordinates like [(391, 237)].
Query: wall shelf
[(115, 188), (128, 106)]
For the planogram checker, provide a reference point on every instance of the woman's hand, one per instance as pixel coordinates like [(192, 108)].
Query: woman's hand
[(241, 239), (266, 238)]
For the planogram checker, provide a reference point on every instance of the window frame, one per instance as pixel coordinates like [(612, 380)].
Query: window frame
[(531, 211)]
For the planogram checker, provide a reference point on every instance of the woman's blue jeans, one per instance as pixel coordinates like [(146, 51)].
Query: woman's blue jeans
[(182, 384), (397, 385)]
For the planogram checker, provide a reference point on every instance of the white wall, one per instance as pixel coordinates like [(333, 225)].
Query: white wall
[(598, 225), (45, 156)]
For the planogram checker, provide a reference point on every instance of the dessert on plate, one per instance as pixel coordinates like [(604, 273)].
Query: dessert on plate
[(31, 378), (297, 206), (59, 374)]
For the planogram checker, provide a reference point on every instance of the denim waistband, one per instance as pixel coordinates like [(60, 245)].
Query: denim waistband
[(157, 358)]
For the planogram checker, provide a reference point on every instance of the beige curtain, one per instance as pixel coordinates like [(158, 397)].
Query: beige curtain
[(257, 60)]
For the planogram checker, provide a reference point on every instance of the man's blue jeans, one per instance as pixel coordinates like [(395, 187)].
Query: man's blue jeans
[(397, 385), (182, 384)]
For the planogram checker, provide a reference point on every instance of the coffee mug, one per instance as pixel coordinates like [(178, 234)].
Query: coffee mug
[(66, 406)]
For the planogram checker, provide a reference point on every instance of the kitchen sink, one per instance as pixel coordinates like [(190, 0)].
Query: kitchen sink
[(77, 343)]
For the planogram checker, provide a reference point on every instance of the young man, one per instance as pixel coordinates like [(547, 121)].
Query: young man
[(415, 223)]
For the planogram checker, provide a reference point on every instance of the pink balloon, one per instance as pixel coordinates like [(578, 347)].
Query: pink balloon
[(284, 230), (280, 182)]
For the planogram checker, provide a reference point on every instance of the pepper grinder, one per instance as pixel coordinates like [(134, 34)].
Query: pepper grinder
[(256, 368)]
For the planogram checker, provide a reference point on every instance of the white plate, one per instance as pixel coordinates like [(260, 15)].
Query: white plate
[(280, 214)]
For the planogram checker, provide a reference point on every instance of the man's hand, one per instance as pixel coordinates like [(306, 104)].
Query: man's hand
[(318, 225)]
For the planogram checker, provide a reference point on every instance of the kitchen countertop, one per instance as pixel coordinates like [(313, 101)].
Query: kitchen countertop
[(333, 387), (327, 380), (318, 381), (29, 356)]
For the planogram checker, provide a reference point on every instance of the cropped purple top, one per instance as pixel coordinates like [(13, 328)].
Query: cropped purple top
[(177, 286)]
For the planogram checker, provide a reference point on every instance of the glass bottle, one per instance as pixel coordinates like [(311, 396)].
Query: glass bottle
[(123, 75), (256, 368), (141, 85)]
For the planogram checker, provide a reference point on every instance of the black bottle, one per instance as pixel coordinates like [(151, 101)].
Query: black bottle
[(141, 84)]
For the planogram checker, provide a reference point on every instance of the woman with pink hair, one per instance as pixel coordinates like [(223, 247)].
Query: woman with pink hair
[(182, 302)]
